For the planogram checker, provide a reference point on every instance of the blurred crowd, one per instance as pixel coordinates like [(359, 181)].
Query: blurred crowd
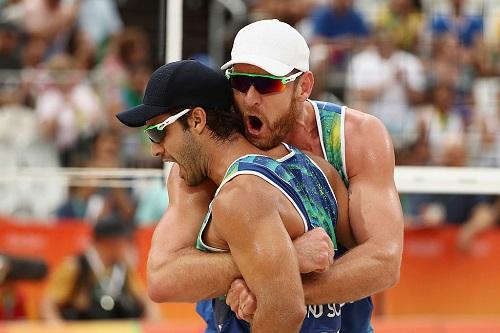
[(429, 70), (66, 68)]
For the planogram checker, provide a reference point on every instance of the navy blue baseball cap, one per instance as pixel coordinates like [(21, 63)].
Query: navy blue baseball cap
[(180, 84)]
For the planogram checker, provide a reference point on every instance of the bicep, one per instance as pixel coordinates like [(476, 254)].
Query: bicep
[(374, 207), (375, 212)]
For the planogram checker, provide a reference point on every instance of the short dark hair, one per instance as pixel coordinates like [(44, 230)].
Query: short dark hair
[(222, 123)]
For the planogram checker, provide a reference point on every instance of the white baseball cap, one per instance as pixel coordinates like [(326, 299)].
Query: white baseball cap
[(272, 45)]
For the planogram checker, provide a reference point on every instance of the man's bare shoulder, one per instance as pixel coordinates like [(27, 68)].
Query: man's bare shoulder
[(356, 120), (368, 144), (243, 191)]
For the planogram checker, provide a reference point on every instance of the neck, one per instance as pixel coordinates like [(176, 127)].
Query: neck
[(305, 129), (222, 155)]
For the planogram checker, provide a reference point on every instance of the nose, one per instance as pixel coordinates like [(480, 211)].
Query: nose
[(252, 97), (157, 150)]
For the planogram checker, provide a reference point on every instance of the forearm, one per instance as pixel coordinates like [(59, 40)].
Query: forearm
[(361, 272), (277, 319), (190, 276)]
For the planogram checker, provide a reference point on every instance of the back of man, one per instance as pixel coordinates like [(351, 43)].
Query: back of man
[(303, 184)]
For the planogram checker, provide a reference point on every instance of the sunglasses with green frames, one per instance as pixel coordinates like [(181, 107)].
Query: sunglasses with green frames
[(156, 132), (264, 84)]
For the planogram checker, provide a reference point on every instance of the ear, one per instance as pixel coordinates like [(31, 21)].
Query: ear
[(198, 120), (305, 85)]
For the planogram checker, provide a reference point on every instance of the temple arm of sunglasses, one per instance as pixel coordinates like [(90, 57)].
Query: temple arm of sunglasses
[(168, 121)]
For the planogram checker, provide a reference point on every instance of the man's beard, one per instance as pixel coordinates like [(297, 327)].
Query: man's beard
[(280, 128)]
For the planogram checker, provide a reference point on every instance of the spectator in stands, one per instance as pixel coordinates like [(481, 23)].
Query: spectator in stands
[(289, 11), (87, 198), (339, 25), (9, 62), (50, 20), (437, 209), (110, 202), (467, 28), (9, 46), (485, 216), (405, 18), (130, 47), (100, 283), (77, 205), (133, 90), (33, 51), (80, 47), (337, 31), (387, 82), (100, 21), (136, 147), (69, 109), (443, 143), (442, 130), (451, 65)]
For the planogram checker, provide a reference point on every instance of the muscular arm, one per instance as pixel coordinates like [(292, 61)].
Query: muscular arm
[(177, 272), (247, 217), (375, 217)]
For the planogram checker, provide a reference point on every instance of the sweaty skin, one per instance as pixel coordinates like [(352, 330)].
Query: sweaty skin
[(250, 217), (375, 215), (177, 272)]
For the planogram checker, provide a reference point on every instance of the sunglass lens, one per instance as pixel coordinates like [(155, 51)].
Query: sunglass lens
[(263, 85), (155, 135), (241, 83), (266, 85)]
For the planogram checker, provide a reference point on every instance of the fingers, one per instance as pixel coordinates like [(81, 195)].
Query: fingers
[(241, 314), (233, 295), (241, 300), (248, 305), (326, 252)]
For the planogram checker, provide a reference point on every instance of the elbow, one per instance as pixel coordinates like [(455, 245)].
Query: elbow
[(393, 276), (162, 292), (391, 261), (299, 313), (156, 292), (294, 311), (161, 288)]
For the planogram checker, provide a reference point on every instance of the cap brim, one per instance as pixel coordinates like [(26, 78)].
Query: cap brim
[(269, 65), (138, 116)]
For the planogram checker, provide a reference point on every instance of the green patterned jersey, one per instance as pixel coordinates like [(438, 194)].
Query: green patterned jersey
[(330, 119), (298, 178)]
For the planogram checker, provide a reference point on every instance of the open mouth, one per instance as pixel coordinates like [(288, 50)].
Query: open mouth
[(254, 125)]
